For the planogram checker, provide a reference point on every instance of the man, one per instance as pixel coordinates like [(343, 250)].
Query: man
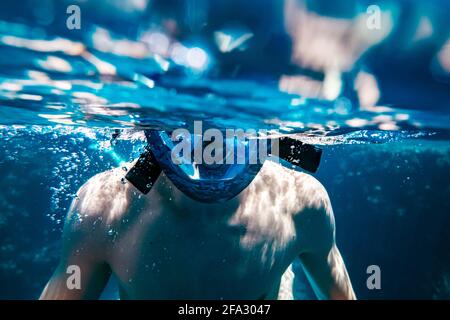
[(166, 245)]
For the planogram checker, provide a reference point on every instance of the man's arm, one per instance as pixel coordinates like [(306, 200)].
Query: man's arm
[(82, 250), (327, 274), (320, 257)]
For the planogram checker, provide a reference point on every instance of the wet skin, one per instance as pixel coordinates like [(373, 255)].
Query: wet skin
[(165, 245)]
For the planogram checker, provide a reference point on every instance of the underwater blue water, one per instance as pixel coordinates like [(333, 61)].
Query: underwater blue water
[(64, 93)]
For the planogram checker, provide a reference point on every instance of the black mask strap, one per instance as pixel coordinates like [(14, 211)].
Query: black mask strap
[(145, 172), (305, 156)]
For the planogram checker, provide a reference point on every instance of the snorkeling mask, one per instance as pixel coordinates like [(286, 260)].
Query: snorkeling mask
[(213, 182)]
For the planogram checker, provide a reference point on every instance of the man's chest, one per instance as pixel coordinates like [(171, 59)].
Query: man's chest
[(184, 257)]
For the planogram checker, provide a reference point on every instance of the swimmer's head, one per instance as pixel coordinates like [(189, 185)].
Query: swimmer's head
[(221, 179)]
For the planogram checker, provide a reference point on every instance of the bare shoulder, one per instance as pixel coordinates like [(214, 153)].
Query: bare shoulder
[(103, 199), (306, 199), (98, 208), (299, 190)]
